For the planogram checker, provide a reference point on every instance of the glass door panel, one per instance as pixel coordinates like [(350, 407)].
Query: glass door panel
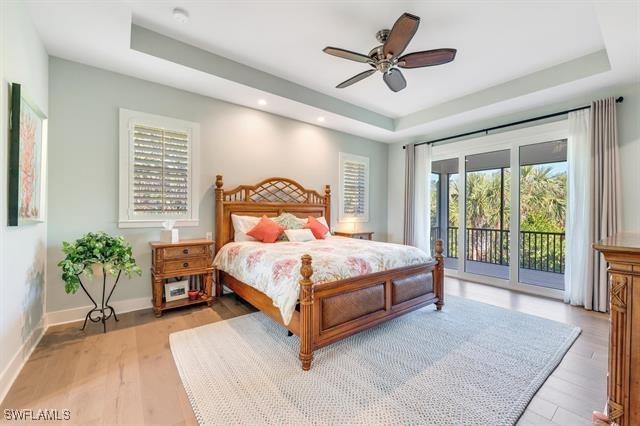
[(487, 211), (444, 208), (543, 195), (453, 219), (434, 208)]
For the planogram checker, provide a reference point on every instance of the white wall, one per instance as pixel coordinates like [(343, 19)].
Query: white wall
[(628, 135), (242, 144), (22, 249)]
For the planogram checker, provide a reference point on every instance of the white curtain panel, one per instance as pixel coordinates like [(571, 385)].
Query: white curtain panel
[(422, 190), (578, 268), (593, 206), (409, 193), (605, 199)]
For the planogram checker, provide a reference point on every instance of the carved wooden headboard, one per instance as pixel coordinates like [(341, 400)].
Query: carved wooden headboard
[(271, 197)]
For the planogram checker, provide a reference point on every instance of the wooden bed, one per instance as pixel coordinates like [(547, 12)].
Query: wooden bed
[(329, 311)]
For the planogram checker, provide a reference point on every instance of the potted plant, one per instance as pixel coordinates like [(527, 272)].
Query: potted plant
[(102, 252)]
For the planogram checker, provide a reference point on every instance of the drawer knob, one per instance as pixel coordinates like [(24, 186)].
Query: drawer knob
[(185, 251), (185, 265)]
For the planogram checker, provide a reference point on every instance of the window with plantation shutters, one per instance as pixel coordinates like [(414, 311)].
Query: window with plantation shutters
[(354, 188), (160, 171), (156, 170)]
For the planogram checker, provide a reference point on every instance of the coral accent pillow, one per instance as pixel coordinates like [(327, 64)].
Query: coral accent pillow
[(266, 230), (242, 225), (318, 229)]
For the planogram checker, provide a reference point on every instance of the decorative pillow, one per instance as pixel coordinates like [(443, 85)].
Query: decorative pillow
[(318, 228), (288, 221), (323, 221), (242, 225), (320, 219), (299, 235), (266, 230)]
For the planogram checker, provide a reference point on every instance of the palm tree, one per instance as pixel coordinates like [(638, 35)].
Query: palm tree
[(543, 202)]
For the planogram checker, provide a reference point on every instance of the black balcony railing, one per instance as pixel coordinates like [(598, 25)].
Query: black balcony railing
[(435, 235), (452, 241), (542, 251), (539, 251), (488, 245)]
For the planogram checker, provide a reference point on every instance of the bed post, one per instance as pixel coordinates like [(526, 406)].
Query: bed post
[(219, 212), (219, 217), (438, 275), (327, 204), (306, 313)]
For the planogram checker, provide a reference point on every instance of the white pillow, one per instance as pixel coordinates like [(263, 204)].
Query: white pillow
[(299, 235), (242, 225)]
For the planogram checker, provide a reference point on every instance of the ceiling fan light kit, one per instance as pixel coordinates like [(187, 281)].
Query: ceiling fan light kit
[(386, 57)]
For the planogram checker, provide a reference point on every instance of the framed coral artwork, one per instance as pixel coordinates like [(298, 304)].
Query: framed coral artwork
[(27, 138)]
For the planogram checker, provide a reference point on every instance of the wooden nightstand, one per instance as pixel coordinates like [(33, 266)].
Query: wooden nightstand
[(357, 235), (182, 259)]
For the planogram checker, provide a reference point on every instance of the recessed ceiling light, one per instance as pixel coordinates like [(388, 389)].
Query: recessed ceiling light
[(321, 119), (262, 102), (180, 15)]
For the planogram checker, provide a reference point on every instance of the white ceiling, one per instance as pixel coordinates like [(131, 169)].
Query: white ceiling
[(497, 42)]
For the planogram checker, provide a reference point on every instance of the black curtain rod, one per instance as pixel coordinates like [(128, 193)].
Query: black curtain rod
[(502, 126)]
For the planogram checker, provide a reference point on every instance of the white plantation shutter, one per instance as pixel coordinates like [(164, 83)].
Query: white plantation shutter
[(160, 171), (354, 188), (156, 170), (354, 182)]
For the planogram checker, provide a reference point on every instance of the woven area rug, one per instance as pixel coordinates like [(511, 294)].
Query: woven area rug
[(472, 364)]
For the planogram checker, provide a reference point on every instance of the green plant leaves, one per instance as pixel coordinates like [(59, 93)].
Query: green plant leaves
[(113, 253)]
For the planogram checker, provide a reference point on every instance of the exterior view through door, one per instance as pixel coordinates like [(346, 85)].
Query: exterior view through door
[(494, 201)]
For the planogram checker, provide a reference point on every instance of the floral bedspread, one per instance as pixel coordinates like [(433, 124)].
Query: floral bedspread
[(274, 269)]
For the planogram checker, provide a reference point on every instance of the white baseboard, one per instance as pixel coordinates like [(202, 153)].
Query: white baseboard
[(78, 314), (9, 375)]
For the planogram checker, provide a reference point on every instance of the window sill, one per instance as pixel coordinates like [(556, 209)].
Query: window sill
[(156, 223)]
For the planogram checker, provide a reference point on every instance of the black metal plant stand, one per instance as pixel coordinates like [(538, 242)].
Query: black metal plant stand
[(105, 311)]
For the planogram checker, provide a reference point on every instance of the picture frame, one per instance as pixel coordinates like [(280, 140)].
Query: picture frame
[(176, 290), (27, 160)]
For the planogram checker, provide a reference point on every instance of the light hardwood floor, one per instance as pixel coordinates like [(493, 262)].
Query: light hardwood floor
[(128, 375)]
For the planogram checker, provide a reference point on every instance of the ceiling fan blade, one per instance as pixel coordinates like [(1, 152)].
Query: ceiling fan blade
[(355, 79), (395, 80), (346, 54), (427, 58), (401, 34)]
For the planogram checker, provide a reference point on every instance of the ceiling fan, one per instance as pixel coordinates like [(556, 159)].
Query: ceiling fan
[(386, 57)]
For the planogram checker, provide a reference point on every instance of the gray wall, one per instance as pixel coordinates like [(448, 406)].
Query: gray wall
[(628, 137), (23, 60), (243, 144)]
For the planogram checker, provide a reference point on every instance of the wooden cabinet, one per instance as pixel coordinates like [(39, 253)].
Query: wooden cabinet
[(357, 235), (622, 253), (182, 259)]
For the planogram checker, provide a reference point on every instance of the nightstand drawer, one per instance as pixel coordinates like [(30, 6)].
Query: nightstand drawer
[(185, 265), (181, 252)]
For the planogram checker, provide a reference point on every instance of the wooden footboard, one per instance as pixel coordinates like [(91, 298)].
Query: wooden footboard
[(335, 310), (331, 311)]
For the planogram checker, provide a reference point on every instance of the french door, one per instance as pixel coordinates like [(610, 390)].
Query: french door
[(498, 203)]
